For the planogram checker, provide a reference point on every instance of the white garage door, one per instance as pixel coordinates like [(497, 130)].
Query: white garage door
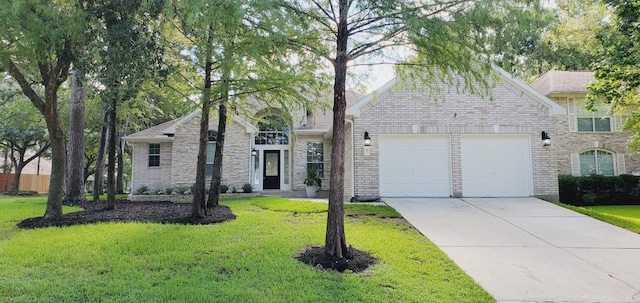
[(496, 165), (415, 166)]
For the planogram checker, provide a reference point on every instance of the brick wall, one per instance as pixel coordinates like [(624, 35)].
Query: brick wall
[(300, 160), (445, 111), (235, 163), (154, 177), (566, 142)]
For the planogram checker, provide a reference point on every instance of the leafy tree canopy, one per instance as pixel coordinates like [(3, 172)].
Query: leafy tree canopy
[(617, 69)]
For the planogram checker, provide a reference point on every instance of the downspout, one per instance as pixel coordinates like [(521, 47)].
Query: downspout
[(251, 164), (353, 162)]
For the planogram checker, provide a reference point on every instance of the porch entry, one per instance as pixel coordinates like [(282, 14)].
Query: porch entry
[(271, 169)]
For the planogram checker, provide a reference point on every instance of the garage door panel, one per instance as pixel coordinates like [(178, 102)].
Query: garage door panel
[(415, 165), (496, 165)]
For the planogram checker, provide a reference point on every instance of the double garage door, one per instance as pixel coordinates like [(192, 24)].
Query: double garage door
[(421, 165)]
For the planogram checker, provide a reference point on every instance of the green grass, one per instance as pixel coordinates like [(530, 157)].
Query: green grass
[(625, 216), (249, 259)]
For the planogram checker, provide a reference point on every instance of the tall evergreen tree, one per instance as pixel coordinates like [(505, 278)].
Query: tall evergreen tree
[(443, 37), (242, 48)]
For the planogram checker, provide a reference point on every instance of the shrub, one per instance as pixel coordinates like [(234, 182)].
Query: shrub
[(142, 190), (599, 190), (247, 188), (224, 188)]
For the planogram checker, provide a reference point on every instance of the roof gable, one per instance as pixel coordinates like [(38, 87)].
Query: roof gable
[(165, 131), (554, 108)]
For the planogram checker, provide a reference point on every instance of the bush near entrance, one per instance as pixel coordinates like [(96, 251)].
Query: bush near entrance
[(599, 190)]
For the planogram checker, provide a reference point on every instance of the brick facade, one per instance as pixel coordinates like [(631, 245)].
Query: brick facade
[(156, 178), (235, 164), (510, 109), (567, 142), (445, 111)]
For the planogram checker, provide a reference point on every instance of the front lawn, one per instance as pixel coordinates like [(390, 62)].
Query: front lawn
[(249, 259), (626, 216)]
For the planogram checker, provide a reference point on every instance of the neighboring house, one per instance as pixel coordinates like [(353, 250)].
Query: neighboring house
[(421, 143), (586, 142)]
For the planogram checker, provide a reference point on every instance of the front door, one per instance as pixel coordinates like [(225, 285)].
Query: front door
[(271, 169)]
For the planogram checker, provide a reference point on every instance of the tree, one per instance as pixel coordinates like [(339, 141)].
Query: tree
[(617, 69), (37, 41), (127, 55), (75, 157), (563, 39), (21, 131), (241, 47), (442, 38)]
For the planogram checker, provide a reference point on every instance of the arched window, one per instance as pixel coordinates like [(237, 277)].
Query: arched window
[(596, 162), (272, 130)]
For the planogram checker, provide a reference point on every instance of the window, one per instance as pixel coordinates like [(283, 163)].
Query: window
[(315, 157), (154, 154), (211, 153), (589, 121), (596, 162), (273, 130)]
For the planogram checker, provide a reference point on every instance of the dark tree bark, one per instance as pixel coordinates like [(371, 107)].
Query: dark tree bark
[(98, 178), (53, 75), (199, 208), (88, 161), (111, 155), (214, 189), (335, 242), (120, 173), (75, 157)]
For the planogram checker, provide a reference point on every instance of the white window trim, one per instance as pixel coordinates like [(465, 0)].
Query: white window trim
[(615, 122), (618, 165)]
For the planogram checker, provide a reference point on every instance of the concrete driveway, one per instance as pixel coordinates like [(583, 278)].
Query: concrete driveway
[(529, 250)]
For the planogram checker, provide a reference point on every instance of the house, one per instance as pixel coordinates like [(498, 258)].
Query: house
[(429, 142), (586, 142)]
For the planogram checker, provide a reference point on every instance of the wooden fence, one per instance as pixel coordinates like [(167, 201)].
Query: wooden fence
[(39, 183)]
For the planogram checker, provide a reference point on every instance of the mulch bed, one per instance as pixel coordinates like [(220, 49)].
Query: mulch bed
[(317, 257), (127, 211)]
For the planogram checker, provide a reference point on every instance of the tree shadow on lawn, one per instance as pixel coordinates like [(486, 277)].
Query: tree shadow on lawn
[(128, 211), (180, 213)]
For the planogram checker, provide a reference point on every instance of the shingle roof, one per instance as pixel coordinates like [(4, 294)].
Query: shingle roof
[(154, 131), (563, 82), (322, 120)]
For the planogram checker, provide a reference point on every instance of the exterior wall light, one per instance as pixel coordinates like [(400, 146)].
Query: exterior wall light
[(367, 144), (254, 152), (546, 140)]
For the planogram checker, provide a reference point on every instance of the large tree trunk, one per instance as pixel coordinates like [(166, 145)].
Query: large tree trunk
[(335, 242), (199, 208), (98, 178), (214, 189), (111, 162), (56, 185), (120, 173), (75, 158), (52, 77)]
